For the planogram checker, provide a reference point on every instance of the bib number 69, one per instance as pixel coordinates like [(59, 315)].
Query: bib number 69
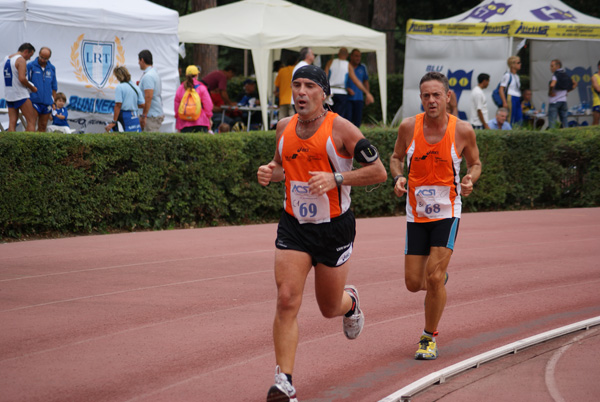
[(311, 209)]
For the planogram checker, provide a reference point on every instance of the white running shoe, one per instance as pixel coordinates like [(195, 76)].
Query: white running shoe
[(354, 324), (282, 390)]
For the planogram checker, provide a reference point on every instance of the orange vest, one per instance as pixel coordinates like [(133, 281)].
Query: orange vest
[(316, 154), (433, 176)]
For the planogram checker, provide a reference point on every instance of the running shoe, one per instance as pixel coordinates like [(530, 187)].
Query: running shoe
[(427, 349), (282, 390), (354, 324)]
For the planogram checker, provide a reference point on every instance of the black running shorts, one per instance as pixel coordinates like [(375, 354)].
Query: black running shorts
[(420, 237), (327, 243)]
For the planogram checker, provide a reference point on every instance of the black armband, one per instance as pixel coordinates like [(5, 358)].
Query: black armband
[(364, 152)]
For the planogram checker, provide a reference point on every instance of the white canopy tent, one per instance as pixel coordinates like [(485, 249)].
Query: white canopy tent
[(267, 26), (88, 39), (481, 39)]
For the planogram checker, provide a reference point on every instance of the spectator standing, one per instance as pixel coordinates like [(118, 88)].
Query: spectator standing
[(152, 115), (510, 90), (338, 71), (128, 98), (499, 122), (43, 75), (558, 94), (283, 88), (203, 123), (479, 110), (307, 57), (17, 87), (356, 97), (596, 97), (216, 81)]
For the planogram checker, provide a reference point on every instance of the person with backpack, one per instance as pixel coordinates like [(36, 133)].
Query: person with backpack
[(128, 98), (560, 85), (510, 90), (193, 106)]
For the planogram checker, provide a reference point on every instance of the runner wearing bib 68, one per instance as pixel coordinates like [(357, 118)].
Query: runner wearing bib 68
[(432, 144), (313, 155)]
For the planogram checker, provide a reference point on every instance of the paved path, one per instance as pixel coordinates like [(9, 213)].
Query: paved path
[(186, 315)]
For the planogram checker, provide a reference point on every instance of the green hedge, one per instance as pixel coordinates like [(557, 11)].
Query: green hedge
[(102, 182)]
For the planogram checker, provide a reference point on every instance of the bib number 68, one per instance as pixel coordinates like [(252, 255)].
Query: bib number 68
[(432, 208)]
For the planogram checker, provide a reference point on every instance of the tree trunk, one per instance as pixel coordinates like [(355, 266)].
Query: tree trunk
[(359, 12), (205, 56), (384, 19)]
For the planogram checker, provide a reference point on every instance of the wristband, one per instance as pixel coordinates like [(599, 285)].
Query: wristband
[(396, 179)]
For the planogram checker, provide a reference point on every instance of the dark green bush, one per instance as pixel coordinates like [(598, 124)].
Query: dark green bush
[(102, 182)]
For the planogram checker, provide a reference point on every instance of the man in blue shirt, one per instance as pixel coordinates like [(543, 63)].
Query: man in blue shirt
[(356, 97), (152, 116), (43, 75), (500, 123)]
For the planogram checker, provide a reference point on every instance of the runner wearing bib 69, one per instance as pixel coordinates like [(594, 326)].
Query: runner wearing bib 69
[(313, 155), (433, 145)]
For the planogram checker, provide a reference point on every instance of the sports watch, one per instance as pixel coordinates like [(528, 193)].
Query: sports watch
[(339, 178)]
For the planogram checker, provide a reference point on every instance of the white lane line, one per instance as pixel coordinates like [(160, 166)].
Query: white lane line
[(136, 265), (551, 367), (135, 290), (406, 393)]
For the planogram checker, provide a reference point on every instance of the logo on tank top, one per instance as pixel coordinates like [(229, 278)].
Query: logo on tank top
[(422, 158)]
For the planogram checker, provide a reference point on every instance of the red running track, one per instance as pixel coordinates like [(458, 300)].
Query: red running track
[(186, 315)]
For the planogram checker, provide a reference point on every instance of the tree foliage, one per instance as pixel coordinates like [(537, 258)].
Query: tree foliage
[(362, 12)]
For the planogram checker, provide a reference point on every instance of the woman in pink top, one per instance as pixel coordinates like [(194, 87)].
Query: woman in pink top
[(203, 124)]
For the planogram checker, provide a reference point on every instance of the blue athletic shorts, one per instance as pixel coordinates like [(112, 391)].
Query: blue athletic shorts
[(327, 243), (596, 109), (42, 109), (16, 104), (420, 237)]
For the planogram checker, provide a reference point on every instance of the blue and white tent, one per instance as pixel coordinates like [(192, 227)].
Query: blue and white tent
[(88, 39)]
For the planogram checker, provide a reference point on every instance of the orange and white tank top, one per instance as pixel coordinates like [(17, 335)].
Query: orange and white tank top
[(433, 176), (317, 153)]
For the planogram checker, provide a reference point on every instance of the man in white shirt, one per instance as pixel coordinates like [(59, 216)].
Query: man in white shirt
[(479, 111)]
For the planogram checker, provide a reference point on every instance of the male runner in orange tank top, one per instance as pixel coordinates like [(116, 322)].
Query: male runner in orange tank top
[(432, 144), (314, 154)]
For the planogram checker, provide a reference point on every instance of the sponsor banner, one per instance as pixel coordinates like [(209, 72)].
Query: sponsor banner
[(519, 29), (458, 29)]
